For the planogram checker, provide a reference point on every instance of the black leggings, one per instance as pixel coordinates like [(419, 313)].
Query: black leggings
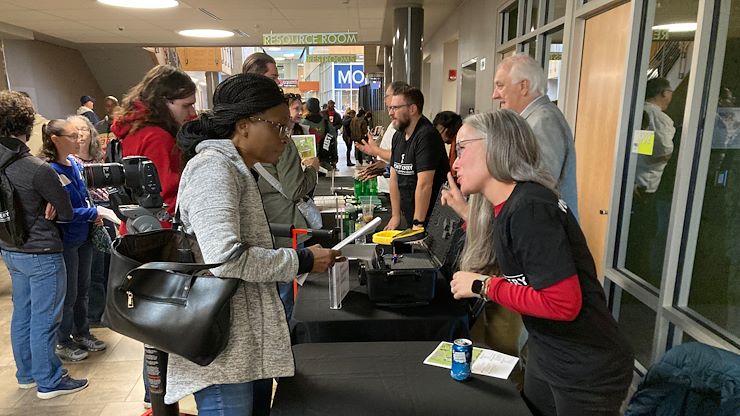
[(348, 142), (547, 399)]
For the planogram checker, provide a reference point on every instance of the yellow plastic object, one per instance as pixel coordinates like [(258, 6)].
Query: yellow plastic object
[(410, 235), (385, 237)]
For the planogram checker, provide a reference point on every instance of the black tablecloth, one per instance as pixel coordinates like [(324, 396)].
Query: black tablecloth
[(360, 320), (386, 378)]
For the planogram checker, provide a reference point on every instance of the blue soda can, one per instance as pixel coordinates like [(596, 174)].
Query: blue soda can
[(462, 357)]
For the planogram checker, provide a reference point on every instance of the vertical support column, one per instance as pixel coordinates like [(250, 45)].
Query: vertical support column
[(387, 66), (211, 83), (4, 80), (408, 29)]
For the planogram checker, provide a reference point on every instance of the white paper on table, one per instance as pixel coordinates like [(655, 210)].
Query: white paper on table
[(485, 362), (108, 214), (494, 364)]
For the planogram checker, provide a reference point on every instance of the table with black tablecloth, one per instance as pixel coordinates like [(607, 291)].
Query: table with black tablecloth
[(386, 378), (360, 320)]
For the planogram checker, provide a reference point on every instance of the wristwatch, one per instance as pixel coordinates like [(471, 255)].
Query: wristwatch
[(478, 288), (417, 222)]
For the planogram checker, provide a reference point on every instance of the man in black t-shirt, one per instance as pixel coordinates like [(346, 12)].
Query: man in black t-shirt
[(419, 162)]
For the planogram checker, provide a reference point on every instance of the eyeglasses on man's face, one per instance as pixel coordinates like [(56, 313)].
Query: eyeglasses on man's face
[(393, 108), (283, 130)]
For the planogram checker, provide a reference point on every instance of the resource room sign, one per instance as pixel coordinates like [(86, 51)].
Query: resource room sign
[(290, 39)]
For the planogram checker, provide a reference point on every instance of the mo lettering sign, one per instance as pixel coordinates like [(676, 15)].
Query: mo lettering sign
[(333, 38), (348, 76)]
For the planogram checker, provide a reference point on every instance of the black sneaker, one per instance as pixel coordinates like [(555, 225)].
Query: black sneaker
[(68, 385)]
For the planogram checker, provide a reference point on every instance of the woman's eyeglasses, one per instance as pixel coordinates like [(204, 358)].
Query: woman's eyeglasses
[(283, 130), (73, 136), (459, 149)]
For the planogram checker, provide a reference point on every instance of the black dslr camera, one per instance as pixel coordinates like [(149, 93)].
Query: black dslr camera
[(134, 190)]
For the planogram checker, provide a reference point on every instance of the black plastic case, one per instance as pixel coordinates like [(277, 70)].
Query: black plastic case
[(413, 278)]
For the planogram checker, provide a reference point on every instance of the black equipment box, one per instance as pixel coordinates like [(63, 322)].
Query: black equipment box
[(412, 279)]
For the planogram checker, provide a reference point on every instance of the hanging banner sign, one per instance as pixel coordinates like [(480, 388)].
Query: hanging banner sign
[(333, 38), (342, 59), (348, 76)]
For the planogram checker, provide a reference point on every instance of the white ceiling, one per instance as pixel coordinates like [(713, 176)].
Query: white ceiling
[(89, 22)]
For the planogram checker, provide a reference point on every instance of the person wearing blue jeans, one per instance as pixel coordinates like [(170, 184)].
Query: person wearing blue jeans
[(78, 259), (225, 400), (39, 284), (74, 337), (34, 256)]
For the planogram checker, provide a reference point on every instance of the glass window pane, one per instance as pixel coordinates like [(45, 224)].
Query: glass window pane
[(654, 167), (531, 48), (715, 283), (554, 58), (511, 16), (534, 16), (637, 323), (555, 10)]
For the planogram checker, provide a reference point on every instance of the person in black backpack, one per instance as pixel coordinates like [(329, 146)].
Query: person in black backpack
[(325, 134), (35, 264)]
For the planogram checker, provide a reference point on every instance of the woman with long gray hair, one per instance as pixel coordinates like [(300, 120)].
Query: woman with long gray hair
[(525, 250)]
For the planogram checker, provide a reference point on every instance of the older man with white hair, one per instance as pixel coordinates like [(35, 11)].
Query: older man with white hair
[(520, 85)]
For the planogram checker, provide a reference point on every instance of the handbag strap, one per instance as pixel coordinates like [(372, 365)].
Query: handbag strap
[(185, 268), (270, 179)]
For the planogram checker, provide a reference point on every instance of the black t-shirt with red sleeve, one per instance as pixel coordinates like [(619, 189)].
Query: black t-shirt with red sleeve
[(539, 243)]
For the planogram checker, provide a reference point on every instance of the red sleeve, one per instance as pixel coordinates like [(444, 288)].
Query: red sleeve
[(559, 302)]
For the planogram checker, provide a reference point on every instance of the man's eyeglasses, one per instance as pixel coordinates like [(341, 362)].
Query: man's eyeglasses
[(283, 130), (459, 149), (393, 108)]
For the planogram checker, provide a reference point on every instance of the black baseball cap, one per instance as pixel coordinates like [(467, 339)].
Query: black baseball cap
[(86, 98)]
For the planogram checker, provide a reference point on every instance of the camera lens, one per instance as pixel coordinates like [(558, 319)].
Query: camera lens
[(101, 175)]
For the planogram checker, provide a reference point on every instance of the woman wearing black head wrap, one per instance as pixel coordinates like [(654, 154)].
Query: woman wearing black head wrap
[(220, 203)]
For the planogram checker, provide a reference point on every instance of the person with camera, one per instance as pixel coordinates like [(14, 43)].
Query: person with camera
[(59, 143), (36, 262), (220, 204), (153, 111)]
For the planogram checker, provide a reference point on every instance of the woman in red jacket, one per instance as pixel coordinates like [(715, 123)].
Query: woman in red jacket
[(529, 254), (153, 111)]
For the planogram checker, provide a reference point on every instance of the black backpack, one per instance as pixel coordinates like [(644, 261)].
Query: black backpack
[(12, 227)]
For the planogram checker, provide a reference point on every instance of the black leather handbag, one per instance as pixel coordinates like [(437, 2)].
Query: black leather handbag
[(160, 295)]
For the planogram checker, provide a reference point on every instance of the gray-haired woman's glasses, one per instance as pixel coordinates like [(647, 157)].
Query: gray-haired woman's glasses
[(283, 130)]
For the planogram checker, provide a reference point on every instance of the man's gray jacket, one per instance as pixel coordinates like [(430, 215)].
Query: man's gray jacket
[(556, 146)]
